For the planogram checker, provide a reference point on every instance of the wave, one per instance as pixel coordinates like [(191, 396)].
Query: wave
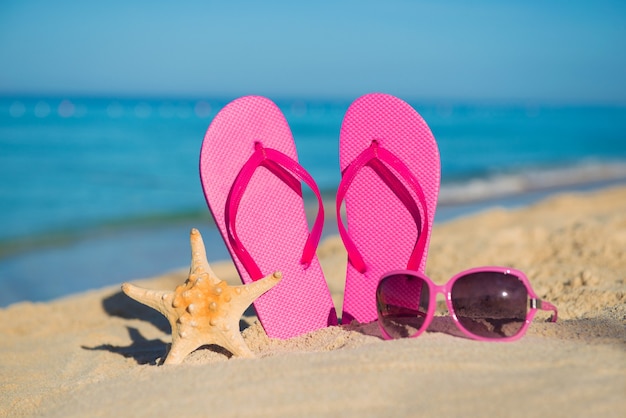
[(59, 237), (477, 189), (538, 179)]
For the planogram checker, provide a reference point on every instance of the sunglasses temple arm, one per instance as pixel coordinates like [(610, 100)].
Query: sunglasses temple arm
[(547, 306)]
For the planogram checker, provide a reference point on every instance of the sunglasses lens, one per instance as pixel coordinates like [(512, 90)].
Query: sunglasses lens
[(490, 304), (402, 301)]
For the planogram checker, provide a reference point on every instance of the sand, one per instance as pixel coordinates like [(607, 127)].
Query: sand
[(96, 353)]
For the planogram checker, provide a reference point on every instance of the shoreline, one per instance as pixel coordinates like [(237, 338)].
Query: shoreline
[(84, 263), (98, 350)]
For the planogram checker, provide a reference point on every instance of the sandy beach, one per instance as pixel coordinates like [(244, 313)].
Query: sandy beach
[(96, 353)]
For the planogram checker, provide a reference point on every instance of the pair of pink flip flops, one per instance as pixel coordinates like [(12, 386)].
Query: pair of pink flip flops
[(252, 182)]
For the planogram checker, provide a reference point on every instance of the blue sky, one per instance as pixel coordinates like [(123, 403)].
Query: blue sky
[(554, 51)]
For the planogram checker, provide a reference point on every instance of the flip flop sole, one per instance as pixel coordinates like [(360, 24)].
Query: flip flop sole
[(378, 222), (271, 220)]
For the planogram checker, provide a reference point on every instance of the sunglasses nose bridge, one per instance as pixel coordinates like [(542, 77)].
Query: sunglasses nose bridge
[(444, 291), (440, 289)]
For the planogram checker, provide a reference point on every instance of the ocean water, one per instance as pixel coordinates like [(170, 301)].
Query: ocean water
[(94, 191)]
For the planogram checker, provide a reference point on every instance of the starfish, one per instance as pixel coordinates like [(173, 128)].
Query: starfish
[(204, 310)]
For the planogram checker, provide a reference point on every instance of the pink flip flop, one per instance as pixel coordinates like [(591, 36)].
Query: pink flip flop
[(390, 182), (252, 184)]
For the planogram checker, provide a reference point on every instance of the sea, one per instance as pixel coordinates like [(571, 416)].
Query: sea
[(98, 191)]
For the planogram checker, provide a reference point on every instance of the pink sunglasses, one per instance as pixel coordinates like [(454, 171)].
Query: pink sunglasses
[(486, 304)]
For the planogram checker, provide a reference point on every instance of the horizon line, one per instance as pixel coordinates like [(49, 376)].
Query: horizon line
[(128, 96)]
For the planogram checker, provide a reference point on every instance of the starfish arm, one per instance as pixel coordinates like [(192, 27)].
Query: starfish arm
[(234, 342), (180, 349), (156, 299), (248, 293), (199, 262)]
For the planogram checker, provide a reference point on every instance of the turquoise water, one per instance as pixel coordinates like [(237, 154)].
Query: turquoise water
[(79, 175)]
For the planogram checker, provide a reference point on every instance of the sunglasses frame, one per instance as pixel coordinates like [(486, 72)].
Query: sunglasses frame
[(535, 303)]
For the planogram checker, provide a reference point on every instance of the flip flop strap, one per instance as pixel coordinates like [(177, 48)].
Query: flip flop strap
[(378, 158), (291, 173)]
